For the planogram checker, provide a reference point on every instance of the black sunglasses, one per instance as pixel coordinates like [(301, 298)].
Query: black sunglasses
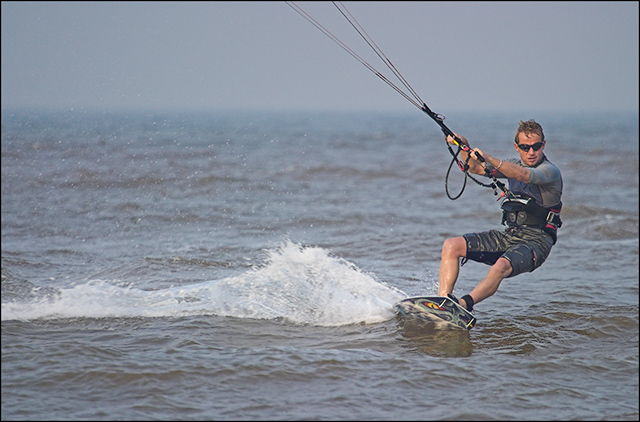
[(526, 147)]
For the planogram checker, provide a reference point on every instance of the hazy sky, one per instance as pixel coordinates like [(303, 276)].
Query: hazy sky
[(521, 56)]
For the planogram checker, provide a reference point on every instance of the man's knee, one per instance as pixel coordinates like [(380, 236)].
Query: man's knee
[(454, 247), (502, 267)]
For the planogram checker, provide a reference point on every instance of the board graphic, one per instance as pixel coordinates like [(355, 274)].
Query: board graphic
[(434, 308)]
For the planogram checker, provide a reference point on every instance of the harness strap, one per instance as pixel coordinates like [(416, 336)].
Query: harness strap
[(523, 210)]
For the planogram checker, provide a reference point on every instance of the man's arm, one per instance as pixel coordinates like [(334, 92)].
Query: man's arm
[(507, 168)]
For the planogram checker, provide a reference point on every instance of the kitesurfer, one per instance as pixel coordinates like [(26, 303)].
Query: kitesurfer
[(531, 211)]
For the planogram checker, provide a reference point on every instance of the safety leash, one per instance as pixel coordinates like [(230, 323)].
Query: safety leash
[(464, 166)]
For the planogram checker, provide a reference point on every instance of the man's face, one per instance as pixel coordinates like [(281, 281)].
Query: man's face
[(531, 157)]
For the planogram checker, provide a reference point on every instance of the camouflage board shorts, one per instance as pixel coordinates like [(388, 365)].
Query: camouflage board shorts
[(526, 248)]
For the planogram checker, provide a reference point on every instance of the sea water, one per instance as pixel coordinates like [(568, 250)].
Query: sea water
[(244, 265)]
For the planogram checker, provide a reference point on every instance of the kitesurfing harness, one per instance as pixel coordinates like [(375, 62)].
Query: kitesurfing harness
[(519, 210), (416, 101)]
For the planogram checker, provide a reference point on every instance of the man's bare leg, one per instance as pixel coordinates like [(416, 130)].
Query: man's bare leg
[(452, 250), (489, 285)]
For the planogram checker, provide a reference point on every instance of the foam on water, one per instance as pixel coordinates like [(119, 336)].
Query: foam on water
[(304, 285)]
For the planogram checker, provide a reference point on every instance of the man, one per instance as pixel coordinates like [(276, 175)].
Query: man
[(531, 210)]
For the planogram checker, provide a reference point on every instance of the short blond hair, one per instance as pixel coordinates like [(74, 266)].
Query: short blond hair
[(529, 127)]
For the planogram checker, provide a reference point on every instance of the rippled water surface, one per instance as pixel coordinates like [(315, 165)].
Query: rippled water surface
[(189, 266)]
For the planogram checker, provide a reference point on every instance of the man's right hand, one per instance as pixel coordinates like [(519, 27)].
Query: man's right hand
[(452, 140)]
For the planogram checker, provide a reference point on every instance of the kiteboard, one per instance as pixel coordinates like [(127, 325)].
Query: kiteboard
[(436, 309)]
